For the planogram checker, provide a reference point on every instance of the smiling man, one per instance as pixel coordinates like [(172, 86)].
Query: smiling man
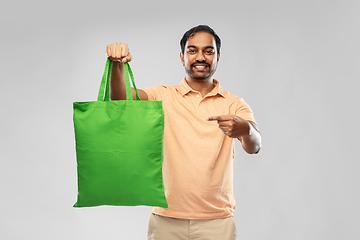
[(201, 56), (201, 123)]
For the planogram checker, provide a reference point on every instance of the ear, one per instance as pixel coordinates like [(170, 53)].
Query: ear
[(218, 57), (182, 58)]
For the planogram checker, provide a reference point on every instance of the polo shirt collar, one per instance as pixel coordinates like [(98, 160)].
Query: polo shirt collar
[(184, 88)]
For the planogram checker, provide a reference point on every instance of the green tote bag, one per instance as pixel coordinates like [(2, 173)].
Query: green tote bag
[(119, 149)]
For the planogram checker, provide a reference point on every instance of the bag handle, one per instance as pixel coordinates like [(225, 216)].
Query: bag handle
[(105, 82)]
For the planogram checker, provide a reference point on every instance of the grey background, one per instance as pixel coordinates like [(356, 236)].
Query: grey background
[(296, 63)]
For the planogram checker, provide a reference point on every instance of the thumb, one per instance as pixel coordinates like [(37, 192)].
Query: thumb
[(128, 58)]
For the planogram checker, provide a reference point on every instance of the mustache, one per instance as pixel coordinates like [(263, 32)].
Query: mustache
[(200, 62)]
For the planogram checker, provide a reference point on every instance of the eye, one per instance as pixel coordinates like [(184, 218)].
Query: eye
[(210, 52), (191, 51)]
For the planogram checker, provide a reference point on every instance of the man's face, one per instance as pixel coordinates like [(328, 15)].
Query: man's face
[(200, 56)]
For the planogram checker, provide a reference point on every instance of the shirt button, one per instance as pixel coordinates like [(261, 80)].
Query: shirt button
[(198, 95)]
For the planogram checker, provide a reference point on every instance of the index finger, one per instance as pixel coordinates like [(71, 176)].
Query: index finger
[(219, 118), (215, 118)]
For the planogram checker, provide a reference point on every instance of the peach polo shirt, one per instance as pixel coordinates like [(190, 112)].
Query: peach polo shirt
[(198, 157)]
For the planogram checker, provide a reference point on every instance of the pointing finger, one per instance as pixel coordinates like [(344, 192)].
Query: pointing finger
[(215, 118), (221, 118)]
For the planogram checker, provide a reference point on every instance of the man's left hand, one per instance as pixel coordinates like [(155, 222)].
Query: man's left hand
[(231, 125)]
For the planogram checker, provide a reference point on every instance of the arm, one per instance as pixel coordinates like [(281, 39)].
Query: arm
[(236, 127), (251, 143), (119, 53)]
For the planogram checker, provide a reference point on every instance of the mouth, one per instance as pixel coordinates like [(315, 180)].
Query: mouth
[(200, 67)]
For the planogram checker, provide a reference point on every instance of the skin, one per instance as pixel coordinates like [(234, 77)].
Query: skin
[(200, 59), (200, 50), (120, 54)]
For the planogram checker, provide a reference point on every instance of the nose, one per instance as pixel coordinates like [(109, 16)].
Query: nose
[(200, 56)]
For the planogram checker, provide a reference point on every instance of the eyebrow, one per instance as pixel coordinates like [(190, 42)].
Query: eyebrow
[(193, 46)]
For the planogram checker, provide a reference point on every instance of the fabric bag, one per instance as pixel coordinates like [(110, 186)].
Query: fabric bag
[(119, 148)]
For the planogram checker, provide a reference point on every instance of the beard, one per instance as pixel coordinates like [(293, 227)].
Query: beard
[(200, 76)]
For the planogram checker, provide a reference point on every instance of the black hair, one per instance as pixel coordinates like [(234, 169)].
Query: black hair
[(200, 28)]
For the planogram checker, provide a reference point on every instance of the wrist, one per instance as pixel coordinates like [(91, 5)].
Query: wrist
[(249, 131)]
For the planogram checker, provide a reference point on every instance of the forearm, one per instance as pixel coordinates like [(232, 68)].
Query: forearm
[(117, 82), (252, 143), (118, 85)]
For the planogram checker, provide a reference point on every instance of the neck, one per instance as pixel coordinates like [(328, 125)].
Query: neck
[(204, 86)]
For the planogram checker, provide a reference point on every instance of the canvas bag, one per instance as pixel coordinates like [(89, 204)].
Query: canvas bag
[(119, 148)]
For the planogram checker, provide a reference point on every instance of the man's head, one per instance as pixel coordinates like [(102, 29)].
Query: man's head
[(200, 48), (200, 28)]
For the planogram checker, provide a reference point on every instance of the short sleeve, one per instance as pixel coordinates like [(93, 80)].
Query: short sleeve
[(156, 93), (244, 111)]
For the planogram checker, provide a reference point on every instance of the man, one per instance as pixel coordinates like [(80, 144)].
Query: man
[(201, 123)]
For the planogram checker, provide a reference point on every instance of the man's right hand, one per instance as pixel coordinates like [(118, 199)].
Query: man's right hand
[(118, 52)]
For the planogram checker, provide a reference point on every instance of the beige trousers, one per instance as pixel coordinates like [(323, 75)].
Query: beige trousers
[(164, 228)]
